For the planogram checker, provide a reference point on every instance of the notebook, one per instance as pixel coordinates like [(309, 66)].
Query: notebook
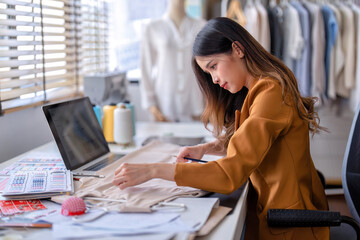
[(78, 135)]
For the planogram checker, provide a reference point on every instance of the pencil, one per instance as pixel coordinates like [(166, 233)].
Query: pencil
[(26, 224), (193, 159)]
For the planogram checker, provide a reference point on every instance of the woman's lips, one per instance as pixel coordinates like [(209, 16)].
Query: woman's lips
[(224, 85)]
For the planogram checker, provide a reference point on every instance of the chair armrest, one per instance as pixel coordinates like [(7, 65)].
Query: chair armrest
[(302, 218), (308, 218)]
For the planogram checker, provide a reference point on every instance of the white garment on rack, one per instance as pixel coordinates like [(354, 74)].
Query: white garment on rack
[(264, 28), (167, 78), (252, 20), (224, 7), (355, 93), (302, 65), (337, 57), (346, 83), (317, 50), (293, 40)]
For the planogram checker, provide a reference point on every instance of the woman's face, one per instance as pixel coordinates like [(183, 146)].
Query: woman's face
[(227, 70)]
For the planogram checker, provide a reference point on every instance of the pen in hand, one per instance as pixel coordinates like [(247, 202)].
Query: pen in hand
[(192, 159)]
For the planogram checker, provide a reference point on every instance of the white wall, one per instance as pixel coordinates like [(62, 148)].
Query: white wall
[(22, 131)]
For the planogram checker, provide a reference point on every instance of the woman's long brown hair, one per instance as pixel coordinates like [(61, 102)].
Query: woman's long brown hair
[(217, 37)]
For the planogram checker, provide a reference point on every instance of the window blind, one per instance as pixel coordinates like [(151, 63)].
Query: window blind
[(46, 46)]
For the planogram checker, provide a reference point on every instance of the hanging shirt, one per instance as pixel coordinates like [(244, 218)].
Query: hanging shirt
[(331, 31), (167, 78), (293, 40), (346, 82), (275, 15), (317, 50), (264, 29), (302, 65), (355, 93), (336, 58), (252, 20)]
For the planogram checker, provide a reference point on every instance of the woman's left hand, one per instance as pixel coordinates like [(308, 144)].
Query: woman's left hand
[(131, 174)]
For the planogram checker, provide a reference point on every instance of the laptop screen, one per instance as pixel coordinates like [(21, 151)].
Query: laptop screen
[(76, 131)]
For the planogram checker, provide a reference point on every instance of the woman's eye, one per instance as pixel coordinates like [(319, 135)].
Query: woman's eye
[(213, 66)]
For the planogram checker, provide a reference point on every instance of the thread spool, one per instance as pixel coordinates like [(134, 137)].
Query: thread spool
[(131, 106), (122, 125), (108, 123), (97, 111)]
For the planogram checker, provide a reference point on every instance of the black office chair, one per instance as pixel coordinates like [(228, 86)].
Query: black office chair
[(351, 185)]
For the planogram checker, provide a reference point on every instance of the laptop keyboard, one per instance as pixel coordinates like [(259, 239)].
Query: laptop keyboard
[(103, 163)]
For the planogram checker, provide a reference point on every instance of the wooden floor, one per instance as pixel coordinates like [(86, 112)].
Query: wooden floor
[(337, 203)]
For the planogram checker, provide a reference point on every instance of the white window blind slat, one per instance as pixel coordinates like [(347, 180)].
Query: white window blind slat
[(14, 23), (11, 32), (16, 63), (15, 83), (33, 89), (16, 53), (16, 73)]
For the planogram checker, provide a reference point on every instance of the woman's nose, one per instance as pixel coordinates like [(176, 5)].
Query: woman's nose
[(215, 80)]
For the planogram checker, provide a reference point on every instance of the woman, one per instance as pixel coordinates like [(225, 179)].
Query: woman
[(262, 124)]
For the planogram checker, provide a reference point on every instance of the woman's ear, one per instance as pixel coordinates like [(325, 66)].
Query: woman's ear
[(238, 49)]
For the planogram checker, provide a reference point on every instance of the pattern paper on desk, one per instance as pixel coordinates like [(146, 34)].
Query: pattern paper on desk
[(3, 182), (51, 208), (24, 185), (9, 207), (36, 162)]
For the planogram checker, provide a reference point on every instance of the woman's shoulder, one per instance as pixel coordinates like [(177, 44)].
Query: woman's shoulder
[(271, 89), (266, 83)]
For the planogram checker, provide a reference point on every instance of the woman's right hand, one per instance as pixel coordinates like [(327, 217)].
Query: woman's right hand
[(196, 152)]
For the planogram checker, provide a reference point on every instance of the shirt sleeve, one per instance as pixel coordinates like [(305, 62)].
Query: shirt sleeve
[(147, 66), (269, 117)]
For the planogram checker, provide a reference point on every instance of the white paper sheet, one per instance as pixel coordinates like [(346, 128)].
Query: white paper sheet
[(128, 224)]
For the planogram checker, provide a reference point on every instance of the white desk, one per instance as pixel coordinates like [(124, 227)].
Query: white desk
[(230, 228)]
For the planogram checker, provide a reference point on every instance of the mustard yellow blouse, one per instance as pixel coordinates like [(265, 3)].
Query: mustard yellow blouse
[(271, 148)]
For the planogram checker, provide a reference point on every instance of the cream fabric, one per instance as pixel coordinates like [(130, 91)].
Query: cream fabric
[(355, 93), (337, 58), (293, 40), (346, 83), (138, 198), (216, 216), (317, 51), (252, 20), (264, 28)]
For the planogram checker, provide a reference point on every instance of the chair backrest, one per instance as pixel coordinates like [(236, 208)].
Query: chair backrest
[(351, 168)]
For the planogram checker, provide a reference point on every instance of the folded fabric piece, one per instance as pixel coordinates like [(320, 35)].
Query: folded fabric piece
[(216, 216), (138, 198)]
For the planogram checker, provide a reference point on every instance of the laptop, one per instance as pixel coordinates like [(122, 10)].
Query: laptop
[(78, 136)]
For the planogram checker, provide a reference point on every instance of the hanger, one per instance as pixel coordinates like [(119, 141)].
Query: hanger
[(235, 12)]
